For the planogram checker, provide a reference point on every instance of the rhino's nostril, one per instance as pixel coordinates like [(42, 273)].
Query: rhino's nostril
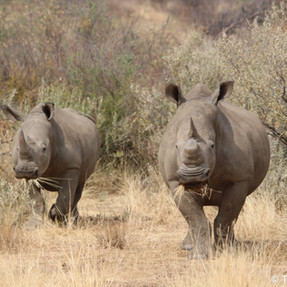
[(36, 170), (16, 169)]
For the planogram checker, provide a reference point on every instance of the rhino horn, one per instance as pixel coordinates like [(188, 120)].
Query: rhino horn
[(193, 132), (24, 150)]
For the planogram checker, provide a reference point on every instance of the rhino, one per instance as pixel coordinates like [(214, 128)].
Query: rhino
[(58, 150), (213, 153)]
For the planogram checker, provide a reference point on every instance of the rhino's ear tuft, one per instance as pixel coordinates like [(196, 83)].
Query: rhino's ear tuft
[(13, 115), (173, 93), (49, 110), (225, 90)]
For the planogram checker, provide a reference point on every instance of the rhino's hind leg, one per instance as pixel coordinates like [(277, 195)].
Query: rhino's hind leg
[(229, 209), (64, 207), (38, 208), (75, 212)]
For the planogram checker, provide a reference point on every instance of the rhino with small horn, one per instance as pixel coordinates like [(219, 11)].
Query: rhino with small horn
[(213, 153), (58, 150)]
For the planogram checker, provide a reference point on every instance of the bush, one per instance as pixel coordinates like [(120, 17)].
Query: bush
[(79, 56), (14, 203), (138, 135), (257, 64)]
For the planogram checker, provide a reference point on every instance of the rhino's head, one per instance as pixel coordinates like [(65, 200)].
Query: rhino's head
[(31, 152), (196, 133)]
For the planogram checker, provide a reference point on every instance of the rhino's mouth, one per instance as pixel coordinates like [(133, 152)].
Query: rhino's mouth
[(193, 175), (27, 174)]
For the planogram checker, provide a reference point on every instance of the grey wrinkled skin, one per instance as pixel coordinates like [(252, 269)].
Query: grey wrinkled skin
[(211, 141), (60, 147)]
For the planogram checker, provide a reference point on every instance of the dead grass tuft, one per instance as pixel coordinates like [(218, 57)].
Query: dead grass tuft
[(11, 239), (112, 235)]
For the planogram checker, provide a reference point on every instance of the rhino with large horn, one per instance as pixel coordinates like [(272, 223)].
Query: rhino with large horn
[(212, 153)]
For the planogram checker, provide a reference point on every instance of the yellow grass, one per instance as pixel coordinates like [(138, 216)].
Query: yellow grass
[(131, 238)]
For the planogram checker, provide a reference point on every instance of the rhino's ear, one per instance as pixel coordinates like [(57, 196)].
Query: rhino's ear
[(49, 110), (13, 115), (225, 90), (173, 93)]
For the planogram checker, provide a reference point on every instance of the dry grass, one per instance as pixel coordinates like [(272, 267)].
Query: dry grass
[(131, 238)]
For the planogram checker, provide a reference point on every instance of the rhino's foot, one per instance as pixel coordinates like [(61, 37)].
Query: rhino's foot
[(187, 243), (195, 255), (33, 223), (55, 214), (221, 245), (199, 250), (76, 216)]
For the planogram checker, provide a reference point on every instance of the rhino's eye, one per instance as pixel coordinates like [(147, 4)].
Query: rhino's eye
[(176, 146), (44, 148), (212, 144)]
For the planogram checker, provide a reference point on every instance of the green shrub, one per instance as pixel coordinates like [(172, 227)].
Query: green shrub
[(138, 135), (66, 42)]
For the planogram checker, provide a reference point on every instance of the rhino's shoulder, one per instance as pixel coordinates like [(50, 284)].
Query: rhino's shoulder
[(231, 108), (240, 117), (76, 114)]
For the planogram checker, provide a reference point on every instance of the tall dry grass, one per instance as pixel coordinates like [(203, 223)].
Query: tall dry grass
[(131, 237)]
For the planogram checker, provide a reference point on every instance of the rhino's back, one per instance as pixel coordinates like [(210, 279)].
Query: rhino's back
[(77, 128), (239, 123), (243, 144), (76, 141)]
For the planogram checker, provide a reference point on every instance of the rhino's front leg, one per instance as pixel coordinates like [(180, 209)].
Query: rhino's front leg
[(197, 240), (38, 208), (64, 206), (232, 201)]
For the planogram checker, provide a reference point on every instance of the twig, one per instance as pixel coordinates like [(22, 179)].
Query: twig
[(281, 138), (239, 22)]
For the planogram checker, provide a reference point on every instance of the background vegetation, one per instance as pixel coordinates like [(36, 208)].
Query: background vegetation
[(112, 59), (85, 57)]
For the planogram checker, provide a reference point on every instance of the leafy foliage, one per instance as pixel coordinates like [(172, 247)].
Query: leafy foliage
[(259, 72), (78, 56)]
